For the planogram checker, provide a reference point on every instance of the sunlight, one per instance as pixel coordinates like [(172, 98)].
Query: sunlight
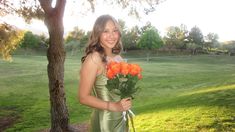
[(195, 118), (209, 16), (211, 89)]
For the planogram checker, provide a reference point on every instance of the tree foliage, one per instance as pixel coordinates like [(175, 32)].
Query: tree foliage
[(27, 9), (9, 40), (137, 8), (76, 40), (196, 36), (145, 27), (211, 41), (130, 38), (230, 47), (75, 35), (30, 40), (176, 37), (150, 39), (195, 39)]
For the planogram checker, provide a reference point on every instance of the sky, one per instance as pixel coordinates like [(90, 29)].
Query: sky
[(209, 15)]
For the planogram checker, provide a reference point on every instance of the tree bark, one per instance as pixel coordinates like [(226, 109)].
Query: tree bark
[(55, 67)]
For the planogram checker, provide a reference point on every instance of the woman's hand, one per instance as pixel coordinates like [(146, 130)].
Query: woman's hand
[(122, 105)]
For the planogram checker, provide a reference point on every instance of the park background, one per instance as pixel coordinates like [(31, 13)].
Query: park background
[(188, 79)]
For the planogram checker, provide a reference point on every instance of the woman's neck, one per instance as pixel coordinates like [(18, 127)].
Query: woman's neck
[(109, 53)]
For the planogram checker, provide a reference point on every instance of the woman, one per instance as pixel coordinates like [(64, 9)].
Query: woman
[(104, 46)]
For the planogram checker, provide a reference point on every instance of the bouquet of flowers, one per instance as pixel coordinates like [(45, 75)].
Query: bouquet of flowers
[(122, 78)]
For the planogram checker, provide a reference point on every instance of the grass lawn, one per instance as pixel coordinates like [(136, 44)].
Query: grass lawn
[(178, 93)]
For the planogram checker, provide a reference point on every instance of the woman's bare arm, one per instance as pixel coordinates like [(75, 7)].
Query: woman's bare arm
[(89, 70)]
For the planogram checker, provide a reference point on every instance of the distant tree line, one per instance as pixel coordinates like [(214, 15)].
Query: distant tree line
[(148, 37), (33, 41), (177, 38)]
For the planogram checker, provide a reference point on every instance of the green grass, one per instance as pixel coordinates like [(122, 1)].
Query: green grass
[(178, 93)]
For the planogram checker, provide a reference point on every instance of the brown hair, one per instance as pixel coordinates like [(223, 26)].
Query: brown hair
[(94, 39)]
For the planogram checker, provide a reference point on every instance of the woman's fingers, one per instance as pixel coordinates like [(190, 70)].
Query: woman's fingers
[(126, 103)]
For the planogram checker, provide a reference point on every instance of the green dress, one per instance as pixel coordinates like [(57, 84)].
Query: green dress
[(103, 120)]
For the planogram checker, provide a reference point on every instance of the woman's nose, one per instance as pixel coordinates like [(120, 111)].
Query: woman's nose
[(111, 34)]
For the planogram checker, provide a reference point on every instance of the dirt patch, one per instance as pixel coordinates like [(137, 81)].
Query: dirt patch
[(81, 127), (6, 122), (76, 128)]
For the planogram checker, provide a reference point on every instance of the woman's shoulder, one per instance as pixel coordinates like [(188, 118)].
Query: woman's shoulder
[(94, 57)]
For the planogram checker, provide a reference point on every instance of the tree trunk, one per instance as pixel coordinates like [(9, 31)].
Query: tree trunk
[(148, 55), (55, 69)]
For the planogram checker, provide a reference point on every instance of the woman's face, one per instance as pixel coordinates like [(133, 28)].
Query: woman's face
[(109, 37)]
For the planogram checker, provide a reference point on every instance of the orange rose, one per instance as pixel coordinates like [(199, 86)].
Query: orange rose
[(110, 74), (134, 69), (115, 68), (124, 68)]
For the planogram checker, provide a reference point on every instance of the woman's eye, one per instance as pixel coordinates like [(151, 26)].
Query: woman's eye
[(110, 31)]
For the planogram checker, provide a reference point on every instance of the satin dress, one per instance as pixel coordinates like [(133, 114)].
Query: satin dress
[(103, 120)]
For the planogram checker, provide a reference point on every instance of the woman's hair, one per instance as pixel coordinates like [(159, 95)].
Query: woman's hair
[(94, 39)]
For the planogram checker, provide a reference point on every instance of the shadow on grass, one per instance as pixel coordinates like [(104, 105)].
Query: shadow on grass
[(225, 97), (7, 121), (223, 125), (12, 107)]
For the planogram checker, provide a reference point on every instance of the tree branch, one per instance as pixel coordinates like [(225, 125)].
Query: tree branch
[(46, 5), (60, 7), (92, 5)]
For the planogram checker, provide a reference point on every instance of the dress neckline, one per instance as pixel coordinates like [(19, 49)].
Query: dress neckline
[(115, 58)]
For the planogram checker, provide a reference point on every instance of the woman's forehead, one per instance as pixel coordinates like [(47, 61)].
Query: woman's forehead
[(110, 24)]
